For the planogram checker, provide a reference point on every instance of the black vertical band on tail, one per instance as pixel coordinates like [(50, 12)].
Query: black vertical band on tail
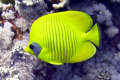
[(100, 36)]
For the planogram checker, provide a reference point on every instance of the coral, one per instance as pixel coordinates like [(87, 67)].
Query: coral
[(118, 45), (6, 36), (18, 32), (7, 11), (103, 15), (100, 14), (40, 70), (62, 70), (14, 61), (24, 41), (31, 12), (4, 72), (62, 4), (27, 2), (25, 25), (15, 64), (26, 65), (76, 78), (112, 31), (5, 6), (8, 15), (104, 76), (115, 1), (109, 62), (57, 5), (19, 65), (18, 60)]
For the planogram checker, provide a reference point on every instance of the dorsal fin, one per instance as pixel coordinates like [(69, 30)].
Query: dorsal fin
[(78, 20)]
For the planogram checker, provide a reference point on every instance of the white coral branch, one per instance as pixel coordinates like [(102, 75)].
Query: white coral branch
[(61, 4)]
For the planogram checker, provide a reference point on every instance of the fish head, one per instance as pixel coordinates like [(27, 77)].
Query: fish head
[(35, 49)]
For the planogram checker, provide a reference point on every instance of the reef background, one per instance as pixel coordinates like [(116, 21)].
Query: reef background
[(16, 20)]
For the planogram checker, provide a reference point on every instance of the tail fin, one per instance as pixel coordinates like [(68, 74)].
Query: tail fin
[(94, 35)]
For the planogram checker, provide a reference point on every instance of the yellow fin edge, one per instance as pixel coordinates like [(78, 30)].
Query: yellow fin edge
[(55, 63)]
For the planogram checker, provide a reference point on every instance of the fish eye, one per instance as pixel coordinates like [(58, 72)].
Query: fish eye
[(31, 46)]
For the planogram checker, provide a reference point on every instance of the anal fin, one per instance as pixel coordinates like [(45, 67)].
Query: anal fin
[(86, 52), (56, 63)]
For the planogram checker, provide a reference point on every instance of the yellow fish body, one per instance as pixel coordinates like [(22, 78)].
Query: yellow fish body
[(63, 37)]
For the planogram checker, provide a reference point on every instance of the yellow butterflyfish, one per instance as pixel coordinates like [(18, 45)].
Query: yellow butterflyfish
[(64, 37)]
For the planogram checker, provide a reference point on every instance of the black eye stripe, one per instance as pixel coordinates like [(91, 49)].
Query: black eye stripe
[(31, 46), (35, 47)]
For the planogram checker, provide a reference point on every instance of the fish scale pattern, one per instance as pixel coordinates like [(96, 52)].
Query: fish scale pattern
[(59, 39)]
